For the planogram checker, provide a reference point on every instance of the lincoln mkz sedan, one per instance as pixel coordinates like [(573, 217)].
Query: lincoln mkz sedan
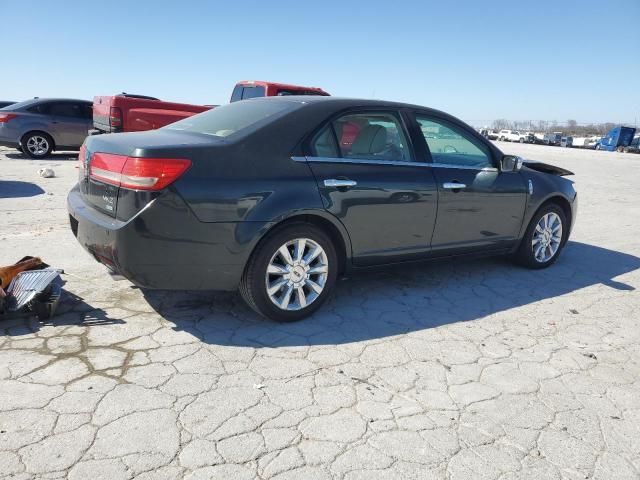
[(277, 197)]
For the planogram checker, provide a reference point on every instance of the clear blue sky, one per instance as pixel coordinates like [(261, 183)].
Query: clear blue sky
[(478, 60)]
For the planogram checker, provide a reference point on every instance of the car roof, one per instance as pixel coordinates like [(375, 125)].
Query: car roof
[(60, 100), (37, 101), (346, 102)]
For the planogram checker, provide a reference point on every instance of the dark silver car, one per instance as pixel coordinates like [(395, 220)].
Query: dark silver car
[(41, 125)]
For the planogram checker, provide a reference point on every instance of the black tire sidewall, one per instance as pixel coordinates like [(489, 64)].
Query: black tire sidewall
[(525, 252), (26, 151), (254, 278)]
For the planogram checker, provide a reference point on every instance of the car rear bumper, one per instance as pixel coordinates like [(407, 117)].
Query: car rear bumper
[(165, 246)]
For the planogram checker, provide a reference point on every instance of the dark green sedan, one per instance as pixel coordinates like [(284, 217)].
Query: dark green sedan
[(279, 196)]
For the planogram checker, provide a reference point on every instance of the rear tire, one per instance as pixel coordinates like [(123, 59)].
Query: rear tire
[(522, 140), (541, 246), (19, 148), (287, 291), (37, 145)]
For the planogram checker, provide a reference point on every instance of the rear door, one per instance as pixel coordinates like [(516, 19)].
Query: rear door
[(72, 121), (369, 179), (479, 207)]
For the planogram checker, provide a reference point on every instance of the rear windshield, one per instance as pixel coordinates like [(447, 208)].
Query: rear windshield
[(15, 106), (235, 117)]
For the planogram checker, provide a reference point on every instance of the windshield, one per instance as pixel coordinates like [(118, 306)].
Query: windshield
[(245, 116)]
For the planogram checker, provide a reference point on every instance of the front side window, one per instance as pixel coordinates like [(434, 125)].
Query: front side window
[(363, 136), (450, 144)]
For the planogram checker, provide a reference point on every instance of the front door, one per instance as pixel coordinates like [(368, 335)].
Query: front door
[(479, 207), (368, 178)]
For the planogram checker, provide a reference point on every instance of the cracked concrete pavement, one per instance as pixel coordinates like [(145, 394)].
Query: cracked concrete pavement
[(470, 369)]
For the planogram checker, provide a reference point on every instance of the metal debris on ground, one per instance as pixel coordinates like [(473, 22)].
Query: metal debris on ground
[(29, 287)]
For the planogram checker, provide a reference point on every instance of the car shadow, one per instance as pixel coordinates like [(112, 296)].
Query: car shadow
[(52, 157), (71, 310), (397, 301), (17, 189)]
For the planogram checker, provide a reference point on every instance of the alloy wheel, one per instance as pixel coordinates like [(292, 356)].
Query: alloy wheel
[(37, 145), (547, 237), (296, 274)]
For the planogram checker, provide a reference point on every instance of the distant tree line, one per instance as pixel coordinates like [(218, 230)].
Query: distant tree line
[(570, 127)]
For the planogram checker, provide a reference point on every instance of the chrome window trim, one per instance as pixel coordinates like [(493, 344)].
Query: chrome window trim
[(464, 167), (390, 162)]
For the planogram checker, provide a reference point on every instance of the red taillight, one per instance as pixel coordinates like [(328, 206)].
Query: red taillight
[(115, 117), (136, 173), (5, 117)]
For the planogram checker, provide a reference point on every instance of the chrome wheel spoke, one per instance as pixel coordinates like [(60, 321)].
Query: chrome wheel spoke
[(302, 298), (299, 250), (286, 298), (314, 286), (313, 254), (286, 255), (275, 269), (276, 287), (319, 269)]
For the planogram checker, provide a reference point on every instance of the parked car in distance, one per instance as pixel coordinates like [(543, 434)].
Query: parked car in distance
[(634, 146), (5, 103), (490, 134), (616, 139), (265, 196), (256, 88), (566, 142), (552, 138), (579, 142), (127, 112), (41, 125), (513, 136)]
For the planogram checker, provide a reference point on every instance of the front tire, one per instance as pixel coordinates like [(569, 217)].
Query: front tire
[(37, 145), (522, 140), (291, 273), (544, 239)]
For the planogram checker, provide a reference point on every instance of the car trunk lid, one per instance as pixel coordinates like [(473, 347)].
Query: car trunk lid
[(121, 173)]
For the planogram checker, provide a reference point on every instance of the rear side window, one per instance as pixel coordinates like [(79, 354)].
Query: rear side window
[(42, 108), (324, 144), (366, 136), (235, 118), (66, 109)]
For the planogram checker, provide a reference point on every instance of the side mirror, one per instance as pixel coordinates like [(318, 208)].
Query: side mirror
[(510, 163)]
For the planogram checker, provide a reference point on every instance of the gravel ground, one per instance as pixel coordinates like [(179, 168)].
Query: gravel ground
[(475, 369)]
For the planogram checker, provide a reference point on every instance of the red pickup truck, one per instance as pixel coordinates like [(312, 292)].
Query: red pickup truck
[(134, 113), (255, 88)]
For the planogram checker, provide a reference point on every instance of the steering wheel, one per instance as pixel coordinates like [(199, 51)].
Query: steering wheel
[(449, 149)]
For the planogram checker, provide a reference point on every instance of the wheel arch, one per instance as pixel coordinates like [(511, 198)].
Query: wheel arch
[(331, 226), (563, 203)]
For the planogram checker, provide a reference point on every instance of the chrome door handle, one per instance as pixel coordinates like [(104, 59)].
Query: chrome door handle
[(339, 183), (453, 185)]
